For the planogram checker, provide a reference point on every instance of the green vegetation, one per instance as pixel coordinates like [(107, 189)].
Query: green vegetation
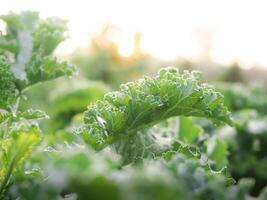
[(170, 136)]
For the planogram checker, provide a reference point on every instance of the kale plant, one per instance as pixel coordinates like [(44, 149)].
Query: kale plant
[(26, 58)]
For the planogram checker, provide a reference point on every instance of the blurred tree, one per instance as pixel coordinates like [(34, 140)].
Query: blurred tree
[(233, 74)]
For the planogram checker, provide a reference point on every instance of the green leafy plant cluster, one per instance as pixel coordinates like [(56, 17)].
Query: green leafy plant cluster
[(81, 174), (161, 137), (26, 53), (25, 59), (245, 141), (240, 97), (248, 148), (151, 100)]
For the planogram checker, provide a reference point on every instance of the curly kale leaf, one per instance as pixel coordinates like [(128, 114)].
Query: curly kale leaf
[(16, 22), (52, 30), (9, 43), (13, 152), (47, 68), (32, 41), (19, 29), (140, 105), (8, 91), (47, 36), (30, 115)]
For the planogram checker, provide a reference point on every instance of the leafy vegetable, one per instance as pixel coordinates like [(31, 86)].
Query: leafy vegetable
[(33, 60), (166, 137), (8, 91), (247, 149), (12, 158), (188, 130), (72, 100), (142, 104), (25, 59)]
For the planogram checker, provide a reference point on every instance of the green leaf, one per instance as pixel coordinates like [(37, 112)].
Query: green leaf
[(20, 28), (139, 146), (16, 22), (32, 41), (76, 98), (219, 153), (140, 105), (47, 68), (14, 151), (4, 116), (49, 34), (31, 114), (72, 99), (8, 91), (188, 130), (9, 44)]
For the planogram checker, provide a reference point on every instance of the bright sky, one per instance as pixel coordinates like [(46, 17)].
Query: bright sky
[(233, 29)]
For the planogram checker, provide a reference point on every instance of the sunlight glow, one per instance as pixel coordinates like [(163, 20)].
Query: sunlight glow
[(222, 31), (125, 51)]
